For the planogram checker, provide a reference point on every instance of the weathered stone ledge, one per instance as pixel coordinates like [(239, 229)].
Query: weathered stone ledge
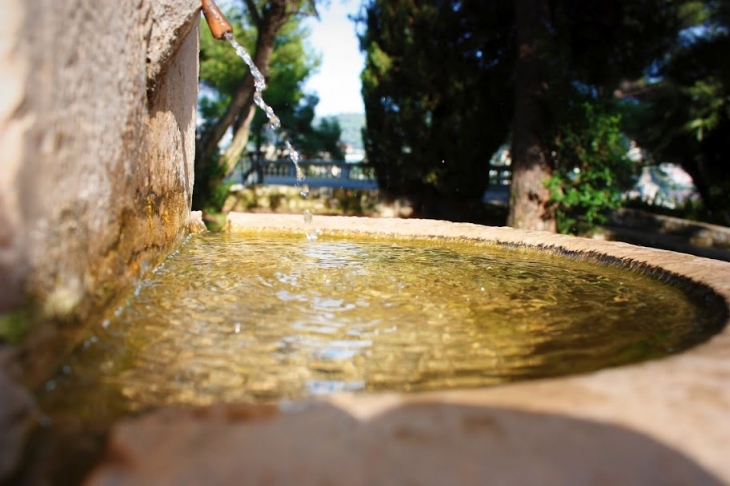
[(97, 125)]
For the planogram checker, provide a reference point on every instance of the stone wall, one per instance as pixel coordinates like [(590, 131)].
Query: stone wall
[(97, 134), (97, 123)]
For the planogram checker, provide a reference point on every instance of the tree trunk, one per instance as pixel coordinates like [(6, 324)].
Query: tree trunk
[(275, 15), (240, 139), (529, 197)]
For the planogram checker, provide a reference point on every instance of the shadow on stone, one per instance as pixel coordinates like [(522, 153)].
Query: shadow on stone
[(424, 444)]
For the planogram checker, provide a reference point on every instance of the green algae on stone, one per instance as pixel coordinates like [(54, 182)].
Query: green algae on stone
[(13, 326)]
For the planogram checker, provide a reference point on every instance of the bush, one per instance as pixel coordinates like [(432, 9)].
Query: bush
[(209, 191), (592, 168)]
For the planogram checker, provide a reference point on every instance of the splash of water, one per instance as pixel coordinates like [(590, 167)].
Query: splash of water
[(294, 156), (258, 81), (259, 87)]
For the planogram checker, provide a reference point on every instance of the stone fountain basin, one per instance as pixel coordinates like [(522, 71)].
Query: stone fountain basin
[(657, 422)]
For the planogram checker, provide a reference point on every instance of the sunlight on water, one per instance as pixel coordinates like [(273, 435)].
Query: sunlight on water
[(254, 318)]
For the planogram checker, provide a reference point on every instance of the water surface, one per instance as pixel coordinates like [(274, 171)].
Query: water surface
[(262, 318)]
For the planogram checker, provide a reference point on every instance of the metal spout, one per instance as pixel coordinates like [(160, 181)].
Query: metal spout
[(217, 22)]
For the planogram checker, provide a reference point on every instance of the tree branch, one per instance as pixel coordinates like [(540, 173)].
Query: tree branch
[(313, 4), (255, 16)]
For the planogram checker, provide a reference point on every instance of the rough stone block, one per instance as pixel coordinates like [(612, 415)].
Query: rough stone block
[(97, 129)]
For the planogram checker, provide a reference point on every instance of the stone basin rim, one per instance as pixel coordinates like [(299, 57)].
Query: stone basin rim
[(676, 267), (410, 230), (695, 273), (681, 400)]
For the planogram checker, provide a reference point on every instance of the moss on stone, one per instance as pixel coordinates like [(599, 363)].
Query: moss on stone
[(13, 326)]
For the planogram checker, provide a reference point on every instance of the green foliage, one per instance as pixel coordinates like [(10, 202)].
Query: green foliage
[(604, 42), (324, 140), (685, 117), (221, 74), (13, 326), (576, 51), (592, 168), (434, 88), (438, 89), (210, 193), (291, 65), (221, 70)]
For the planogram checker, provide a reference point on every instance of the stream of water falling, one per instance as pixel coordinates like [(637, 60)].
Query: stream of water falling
[(259, 87)]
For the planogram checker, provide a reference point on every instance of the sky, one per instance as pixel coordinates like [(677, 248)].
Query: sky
[(338, 81)]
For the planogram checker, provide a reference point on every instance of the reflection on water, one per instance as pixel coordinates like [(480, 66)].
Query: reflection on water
[(233, 318)]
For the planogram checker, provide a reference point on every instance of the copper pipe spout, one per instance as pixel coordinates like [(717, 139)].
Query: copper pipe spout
[(217, 22)]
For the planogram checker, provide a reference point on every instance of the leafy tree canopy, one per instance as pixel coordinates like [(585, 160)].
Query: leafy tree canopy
[(436, 93), (683, 116), (292, 62), (593, 48), (440, 76), (273, 32)]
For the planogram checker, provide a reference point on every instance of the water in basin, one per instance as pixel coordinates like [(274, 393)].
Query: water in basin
[(260, 318)]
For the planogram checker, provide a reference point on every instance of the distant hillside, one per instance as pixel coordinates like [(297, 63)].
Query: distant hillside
[(352, 125)]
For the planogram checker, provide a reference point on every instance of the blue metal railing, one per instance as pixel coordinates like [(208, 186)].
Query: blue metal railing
[(317, 173), (336, 173)]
